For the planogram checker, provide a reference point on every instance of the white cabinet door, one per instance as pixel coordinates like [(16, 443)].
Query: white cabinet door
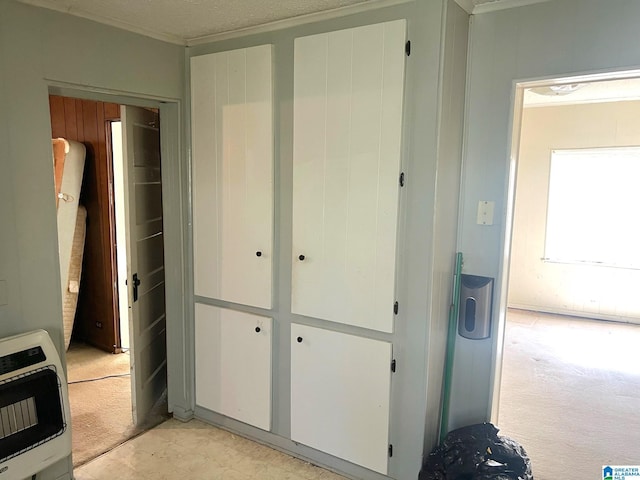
[(340, 389), (233, 364), (348, 97), (232, 151)]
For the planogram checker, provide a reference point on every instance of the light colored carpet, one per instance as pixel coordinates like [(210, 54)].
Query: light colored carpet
[(100, 410), (571, 393)]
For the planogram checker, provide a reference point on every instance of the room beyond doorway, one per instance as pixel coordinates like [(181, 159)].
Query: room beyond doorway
[(569, 382), (100, 398), (87, 122)]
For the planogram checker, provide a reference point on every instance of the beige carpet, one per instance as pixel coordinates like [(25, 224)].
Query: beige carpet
[(571, 393), (100, 410)]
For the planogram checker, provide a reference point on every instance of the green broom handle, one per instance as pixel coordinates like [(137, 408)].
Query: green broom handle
[(451, 344)]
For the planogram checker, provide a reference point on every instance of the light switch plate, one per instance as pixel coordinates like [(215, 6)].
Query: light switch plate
[(485, 212)]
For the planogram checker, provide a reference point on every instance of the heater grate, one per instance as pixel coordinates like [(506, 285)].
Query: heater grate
[(33, 406), (31, 411), (17, 417)]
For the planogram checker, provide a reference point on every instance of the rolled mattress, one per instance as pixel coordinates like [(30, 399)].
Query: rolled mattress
[(69, 239)]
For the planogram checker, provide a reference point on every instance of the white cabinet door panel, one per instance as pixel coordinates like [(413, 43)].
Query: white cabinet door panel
[(233, 364), (203, 147), (232, 149), (340, 390), (348, 97)]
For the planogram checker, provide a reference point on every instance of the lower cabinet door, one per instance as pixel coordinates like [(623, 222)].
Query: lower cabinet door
[(233, 364), (340, 391)]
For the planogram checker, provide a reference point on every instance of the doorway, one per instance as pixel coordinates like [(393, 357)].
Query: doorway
[(114, 386), (570, 376)]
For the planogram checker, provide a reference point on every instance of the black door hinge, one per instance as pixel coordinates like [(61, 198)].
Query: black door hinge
[(402, 179), (407, 47), (395, 308), (390, 450), (393, 365)]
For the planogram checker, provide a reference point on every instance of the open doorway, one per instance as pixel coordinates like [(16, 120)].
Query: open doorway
[(570, 380), (116, 361)]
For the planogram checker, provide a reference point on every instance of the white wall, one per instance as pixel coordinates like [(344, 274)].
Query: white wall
[(39, 48), (587, 290), (555, 38)]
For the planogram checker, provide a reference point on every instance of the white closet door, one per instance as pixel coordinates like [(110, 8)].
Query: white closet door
[(233, 364), (232, 150), (340, 389), (348, 96)]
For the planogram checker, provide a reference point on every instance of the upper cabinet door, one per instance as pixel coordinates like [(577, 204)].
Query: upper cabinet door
[(232, 152), (348, 97)]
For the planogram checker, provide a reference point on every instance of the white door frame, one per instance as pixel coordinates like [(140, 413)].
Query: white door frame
[(517, 98), (175, 174)]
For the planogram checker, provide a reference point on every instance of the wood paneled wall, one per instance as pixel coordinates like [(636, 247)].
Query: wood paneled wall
[(88, 122)]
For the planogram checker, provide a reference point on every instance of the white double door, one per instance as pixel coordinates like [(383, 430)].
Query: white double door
[(348, 98)]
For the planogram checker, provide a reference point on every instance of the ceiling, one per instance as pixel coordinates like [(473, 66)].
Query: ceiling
[(188, 22), (192, 21), (616, 90)]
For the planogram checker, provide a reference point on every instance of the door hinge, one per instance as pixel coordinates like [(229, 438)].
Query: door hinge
[(407, 47), (402, 179), (395, 308), (393, 365), (390, 450)]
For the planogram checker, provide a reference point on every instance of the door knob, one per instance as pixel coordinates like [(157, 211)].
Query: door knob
[(299, 339), (136, 284), (257, 329), (258, 253), (301, 257)]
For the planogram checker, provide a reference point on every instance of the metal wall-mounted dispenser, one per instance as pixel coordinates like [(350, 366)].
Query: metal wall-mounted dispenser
[(474, 318)]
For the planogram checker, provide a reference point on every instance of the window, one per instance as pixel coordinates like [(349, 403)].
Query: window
[(593, 207)]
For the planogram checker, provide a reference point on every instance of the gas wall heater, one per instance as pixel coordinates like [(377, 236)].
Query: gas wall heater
[(34, 406)]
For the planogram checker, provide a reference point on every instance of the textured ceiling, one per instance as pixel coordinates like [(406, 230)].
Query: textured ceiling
[(188, 19), (181, 21)]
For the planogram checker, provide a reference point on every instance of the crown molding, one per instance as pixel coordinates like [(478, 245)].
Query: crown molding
[(296, 21), (466, 5), (502, 5)]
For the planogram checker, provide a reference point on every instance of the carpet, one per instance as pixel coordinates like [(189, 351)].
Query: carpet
[(570, 393), (100, 400)]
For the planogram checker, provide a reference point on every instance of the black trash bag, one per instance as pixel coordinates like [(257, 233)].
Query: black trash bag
[(477, 452)]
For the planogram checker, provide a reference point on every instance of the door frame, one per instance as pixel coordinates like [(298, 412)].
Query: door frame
[(175, 185), (515, 120)]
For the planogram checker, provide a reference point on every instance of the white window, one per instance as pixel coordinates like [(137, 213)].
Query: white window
[(593, 213)]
